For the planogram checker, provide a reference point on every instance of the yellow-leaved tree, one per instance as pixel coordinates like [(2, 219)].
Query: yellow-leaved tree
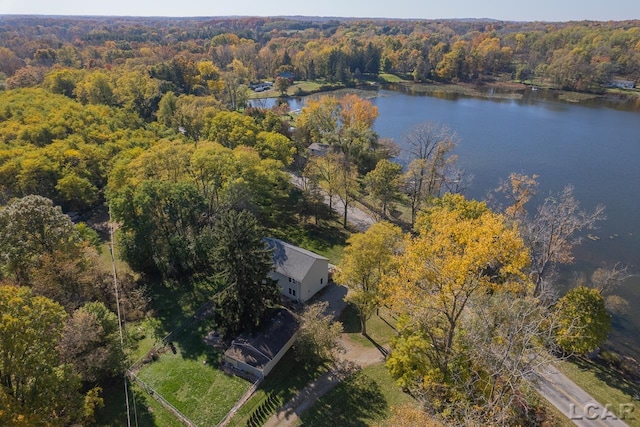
[(367, 257), (460, 252)]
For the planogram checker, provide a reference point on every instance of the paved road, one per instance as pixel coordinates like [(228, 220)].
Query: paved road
[(574, 402), (358, 218)]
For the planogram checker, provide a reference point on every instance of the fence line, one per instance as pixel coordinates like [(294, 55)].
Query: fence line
[(239, 403), (179, 415), (171, 335)]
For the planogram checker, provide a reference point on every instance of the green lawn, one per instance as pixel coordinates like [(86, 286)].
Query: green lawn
[(364, 398), (390, 78), (199, 390), (279, 387), (328, 238), (190, 379), (380, 328), (605, 385)]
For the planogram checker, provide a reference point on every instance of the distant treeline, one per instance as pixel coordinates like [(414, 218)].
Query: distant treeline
[(583, 56)]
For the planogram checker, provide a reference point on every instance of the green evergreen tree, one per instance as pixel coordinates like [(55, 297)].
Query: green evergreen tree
[(242, 261)]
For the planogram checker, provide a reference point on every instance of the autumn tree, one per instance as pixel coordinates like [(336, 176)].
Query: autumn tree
[(9, 62), (234, 89), (582, 320), (552, 232), (606, 280), (282, 84), (367, 258), (319, 119), (230, 129), (241, 261), (318, 337), (273, 145), (347, 184), (95, 88), (30, 228), (461, 251), (507, 338), (90, 343), (383, 183), (160, 226), (518, 190), (35, 388), (324, 171)]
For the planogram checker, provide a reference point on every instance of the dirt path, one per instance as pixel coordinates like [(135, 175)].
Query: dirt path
[(353, 357)]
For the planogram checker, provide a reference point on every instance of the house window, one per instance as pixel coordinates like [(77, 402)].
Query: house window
[(289, 279), (294, 292), (289, 291), (321, 280)]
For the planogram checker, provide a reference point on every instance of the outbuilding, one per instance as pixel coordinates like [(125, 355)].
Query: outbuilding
[(259, 353)]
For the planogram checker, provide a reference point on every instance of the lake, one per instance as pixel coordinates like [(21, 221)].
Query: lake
[(595, 147)]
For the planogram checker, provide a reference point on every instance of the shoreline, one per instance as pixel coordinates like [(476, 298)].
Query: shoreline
[(499, 90)]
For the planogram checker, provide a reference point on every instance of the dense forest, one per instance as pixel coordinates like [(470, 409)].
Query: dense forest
[(147, 120)]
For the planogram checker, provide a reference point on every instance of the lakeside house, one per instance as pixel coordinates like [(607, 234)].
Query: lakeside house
[(622, 84), (300, 273)]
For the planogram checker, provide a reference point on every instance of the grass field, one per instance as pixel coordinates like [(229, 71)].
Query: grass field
[(328, 238), (364, 398), (605, 385), (390, 78), (190, 379), (195, 386), (380, 328)]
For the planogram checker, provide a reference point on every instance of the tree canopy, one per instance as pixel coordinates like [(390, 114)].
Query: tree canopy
[(34, 387)]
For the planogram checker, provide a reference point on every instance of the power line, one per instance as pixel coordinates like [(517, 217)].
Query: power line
[(115, 285)]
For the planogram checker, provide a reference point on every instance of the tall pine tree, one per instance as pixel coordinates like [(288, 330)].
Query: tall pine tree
[(242, 261)]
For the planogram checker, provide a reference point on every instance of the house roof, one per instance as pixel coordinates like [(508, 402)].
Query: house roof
[(259, 349), (316, 146), (290, 260)]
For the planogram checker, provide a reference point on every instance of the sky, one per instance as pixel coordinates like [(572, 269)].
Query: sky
[(513, 10)]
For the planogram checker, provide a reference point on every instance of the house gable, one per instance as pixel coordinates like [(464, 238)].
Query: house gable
[(300, 273)]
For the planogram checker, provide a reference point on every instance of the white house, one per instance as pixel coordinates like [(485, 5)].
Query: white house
[(258, 354), (622, 84), (300, 273)]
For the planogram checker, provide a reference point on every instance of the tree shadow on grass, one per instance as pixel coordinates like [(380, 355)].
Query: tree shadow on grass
[(355, 402), (321, 237), (114, 412), (350, 320), (608, 375), (191, 344), (384, 351)]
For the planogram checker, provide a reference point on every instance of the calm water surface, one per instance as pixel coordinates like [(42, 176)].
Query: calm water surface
[(595, 148)]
